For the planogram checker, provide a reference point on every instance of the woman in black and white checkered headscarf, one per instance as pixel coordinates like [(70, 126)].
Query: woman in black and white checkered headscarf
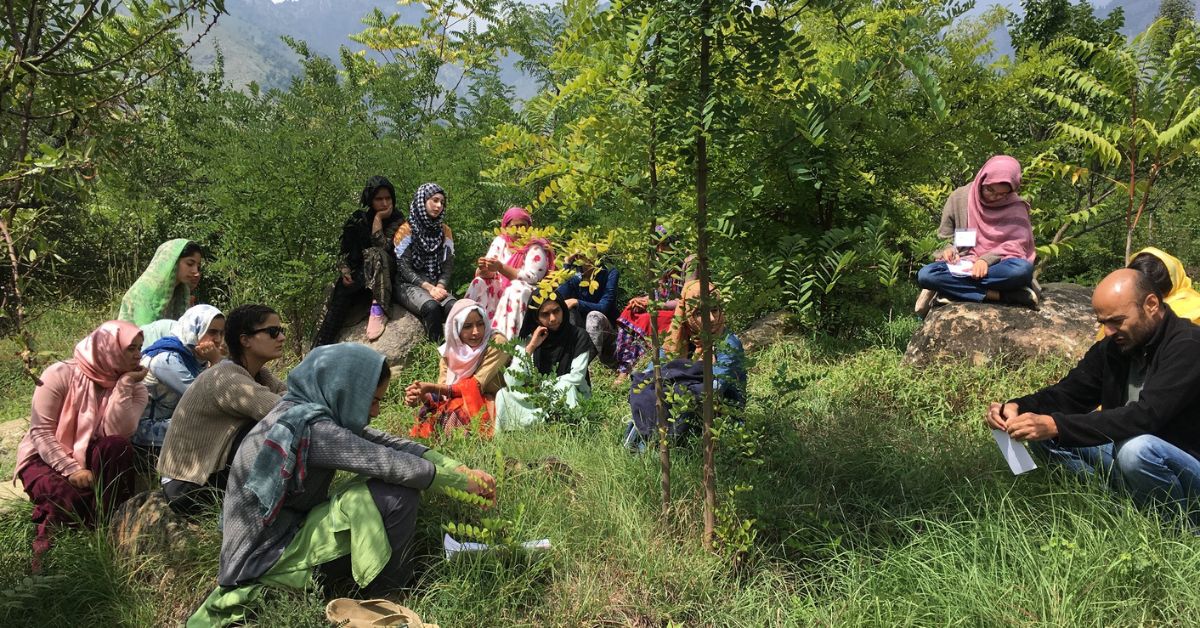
[(425, 260), (429, 239)]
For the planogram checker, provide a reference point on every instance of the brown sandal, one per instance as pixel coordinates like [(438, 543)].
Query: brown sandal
[(350, 613)]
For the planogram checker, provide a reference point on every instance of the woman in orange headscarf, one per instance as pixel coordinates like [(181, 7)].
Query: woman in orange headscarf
[(684, 372)]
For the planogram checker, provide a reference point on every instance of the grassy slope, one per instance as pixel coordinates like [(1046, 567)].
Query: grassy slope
[(878, 499)]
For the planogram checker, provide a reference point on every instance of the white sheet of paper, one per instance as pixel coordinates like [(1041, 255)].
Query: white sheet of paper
[(452, 546), (961, 268), (1015, 454), (964, 238)]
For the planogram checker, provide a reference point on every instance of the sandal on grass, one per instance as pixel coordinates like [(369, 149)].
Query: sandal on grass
[(350, 613)]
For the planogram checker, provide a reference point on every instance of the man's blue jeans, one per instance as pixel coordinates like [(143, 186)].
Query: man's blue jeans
[(1153, 471), (1003, 276)]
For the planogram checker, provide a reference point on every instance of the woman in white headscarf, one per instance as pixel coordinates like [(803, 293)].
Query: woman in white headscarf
[(195, 341), (471, 373)]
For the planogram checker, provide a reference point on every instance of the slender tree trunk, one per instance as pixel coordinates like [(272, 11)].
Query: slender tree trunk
[(27, 356), (7, 222), (1130, 222), (660, 412), (706, 340)]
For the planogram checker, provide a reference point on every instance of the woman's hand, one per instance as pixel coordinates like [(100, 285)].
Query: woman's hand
[(377, 223), (412, 394), (639, 303), (209, 350), (437, 293), (536, 340), (81, 479), (980, 269), (489, 265), (949, 255), (480, 483), (136, 375)]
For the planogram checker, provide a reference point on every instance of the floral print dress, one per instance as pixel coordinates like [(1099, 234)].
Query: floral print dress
[(505, 302)]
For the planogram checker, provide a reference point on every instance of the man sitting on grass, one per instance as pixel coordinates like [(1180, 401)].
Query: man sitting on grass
[(1145, 377)]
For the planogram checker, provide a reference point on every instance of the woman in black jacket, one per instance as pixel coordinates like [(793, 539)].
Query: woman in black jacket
[(425, 260), (366, 263)]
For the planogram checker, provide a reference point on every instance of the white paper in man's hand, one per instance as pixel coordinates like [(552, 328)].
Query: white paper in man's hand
[(1015, 453)]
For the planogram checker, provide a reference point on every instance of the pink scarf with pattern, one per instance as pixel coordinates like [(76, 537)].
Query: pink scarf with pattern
[(517, 258)]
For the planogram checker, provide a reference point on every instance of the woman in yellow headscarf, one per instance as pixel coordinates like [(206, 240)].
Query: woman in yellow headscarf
[(1168, 275), (1182, 298)]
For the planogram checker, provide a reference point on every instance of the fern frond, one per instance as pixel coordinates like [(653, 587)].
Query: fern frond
[(1092, 141)]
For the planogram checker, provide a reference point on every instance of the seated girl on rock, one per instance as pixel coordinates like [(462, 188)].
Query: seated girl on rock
[(990, 257), (366, 263), (425, 260)]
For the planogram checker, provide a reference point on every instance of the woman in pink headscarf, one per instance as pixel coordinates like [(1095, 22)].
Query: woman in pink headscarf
[(76, 457), (990, 256), (505, 277)]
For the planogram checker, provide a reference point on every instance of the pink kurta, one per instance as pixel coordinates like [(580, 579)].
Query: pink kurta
[(122, 408)]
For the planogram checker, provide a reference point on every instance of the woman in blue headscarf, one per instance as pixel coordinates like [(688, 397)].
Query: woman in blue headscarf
[(280, 519)]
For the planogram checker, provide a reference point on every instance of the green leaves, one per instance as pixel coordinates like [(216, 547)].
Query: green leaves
[(929, 83), (1092, 141)]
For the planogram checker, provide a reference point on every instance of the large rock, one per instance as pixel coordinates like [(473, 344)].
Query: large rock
[(403, 332), (145, 524), (979, 333), (766, 331)]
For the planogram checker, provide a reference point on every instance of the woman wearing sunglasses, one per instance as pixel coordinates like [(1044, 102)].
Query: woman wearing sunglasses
[(219, 408)]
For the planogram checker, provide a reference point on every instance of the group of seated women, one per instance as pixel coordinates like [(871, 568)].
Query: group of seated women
[(189, 394)]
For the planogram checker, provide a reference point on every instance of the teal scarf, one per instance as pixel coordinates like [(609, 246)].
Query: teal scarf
[(334, 383)]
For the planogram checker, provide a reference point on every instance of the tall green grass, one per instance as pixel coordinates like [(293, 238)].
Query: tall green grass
[(878, 498)]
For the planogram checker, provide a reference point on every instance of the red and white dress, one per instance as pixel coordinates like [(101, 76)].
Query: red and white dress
[(506, 301)]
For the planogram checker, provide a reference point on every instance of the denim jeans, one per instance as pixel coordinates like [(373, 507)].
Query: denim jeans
[(1153, 471), (1005, 275)]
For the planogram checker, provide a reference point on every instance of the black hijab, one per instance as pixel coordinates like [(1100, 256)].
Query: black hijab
[(374, 184), (356, 233), (561, 346)]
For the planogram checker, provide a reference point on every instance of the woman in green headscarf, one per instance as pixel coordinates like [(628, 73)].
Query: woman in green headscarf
[(280, 520), (165, 289)]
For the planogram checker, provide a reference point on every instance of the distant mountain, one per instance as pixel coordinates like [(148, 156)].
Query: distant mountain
[(249, 36), (252, 54), (1139, 14)]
